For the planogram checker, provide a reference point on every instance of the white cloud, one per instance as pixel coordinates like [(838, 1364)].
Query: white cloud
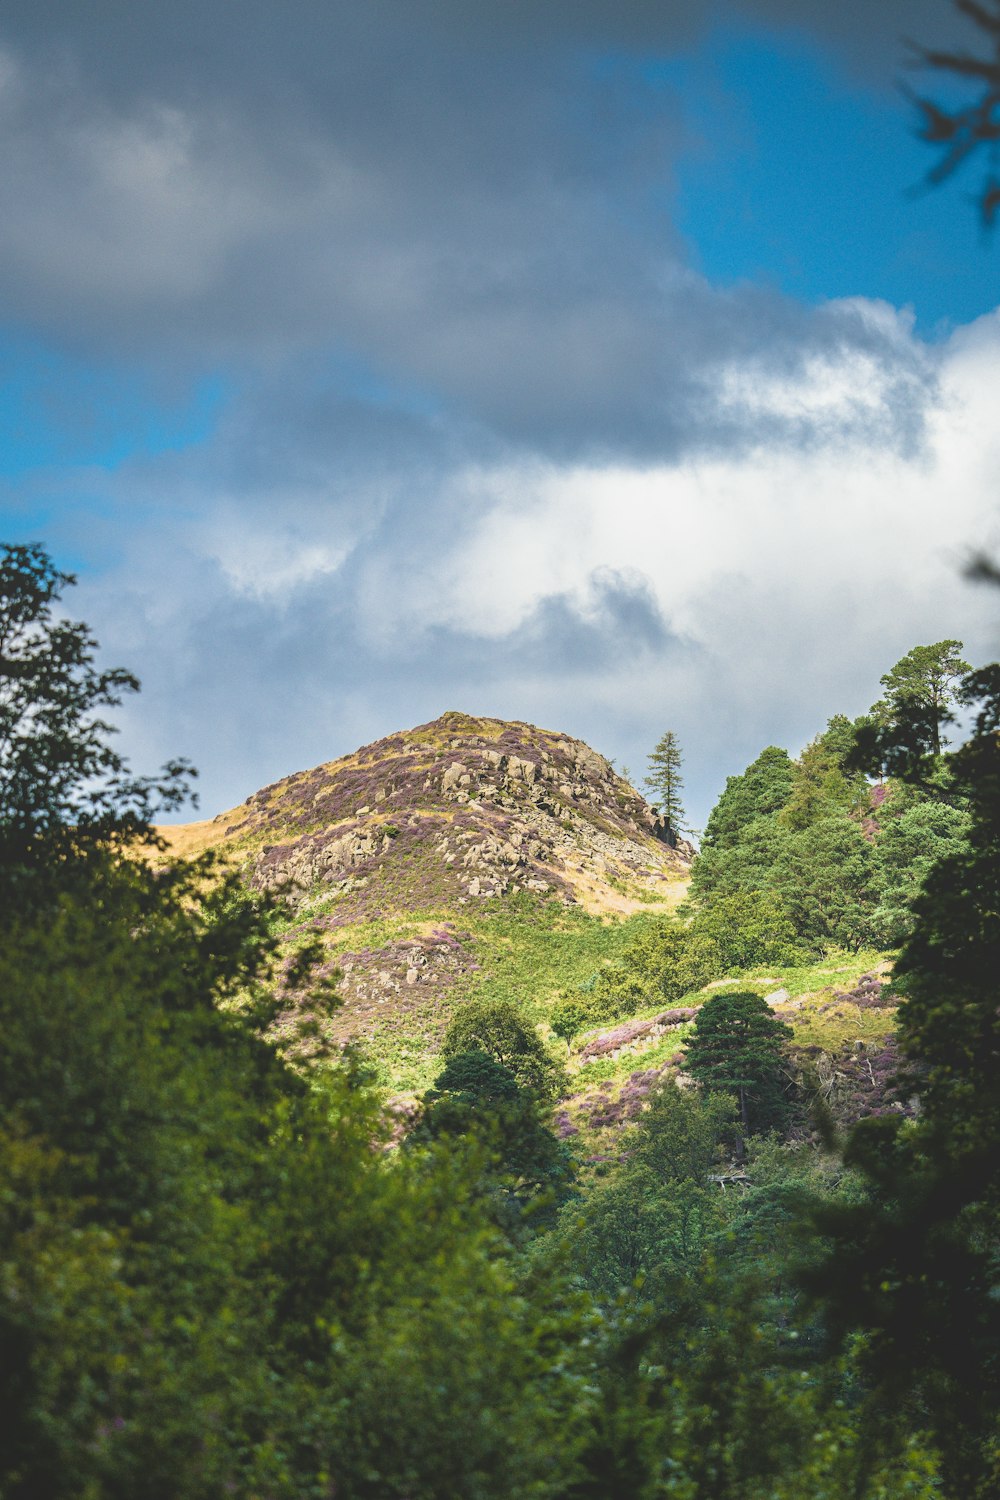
[(268, 559), (739, 600), (839, 526)]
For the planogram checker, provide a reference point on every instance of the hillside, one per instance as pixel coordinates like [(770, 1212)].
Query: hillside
[(464, 854), (472, 858)]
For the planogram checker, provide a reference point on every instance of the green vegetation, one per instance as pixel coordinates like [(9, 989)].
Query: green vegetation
[(735, 1049), (924, 682), (477, 1097), (735, 1264), (845, 859), (500, 1030), (666, 782)]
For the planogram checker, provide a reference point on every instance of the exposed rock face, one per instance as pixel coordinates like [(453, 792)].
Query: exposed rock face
[(451, 812)]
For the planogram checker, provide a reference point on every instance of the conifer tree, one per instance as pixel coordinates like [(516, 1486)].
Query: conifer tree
[(665, 781), (736, 1048), (921, 689)]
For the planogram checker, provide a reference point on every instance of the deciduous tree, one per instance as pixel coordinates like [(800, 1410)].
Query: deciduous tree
[(64, 788)]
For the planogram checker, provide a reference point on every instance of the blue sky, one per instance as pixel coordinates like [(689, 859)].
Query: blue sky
[(580, 363), (816, 182)]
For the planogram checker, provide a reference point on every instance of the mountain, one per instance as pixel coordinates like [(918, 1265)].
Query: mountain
[(429, 860), (456, 810), (474, 857)]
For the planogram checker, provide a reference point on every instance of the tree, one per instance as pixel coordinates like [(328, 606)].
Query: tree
[(763, 789), (64, 789), (825, 878), (920, 690), (665, 780), (655, 1216), (736, 1048), (500, 1029), (746, 930), (744, 865), (743, 833), (820, 783), (906, 851), (963, 131), (475, 1096), (916, 1269)]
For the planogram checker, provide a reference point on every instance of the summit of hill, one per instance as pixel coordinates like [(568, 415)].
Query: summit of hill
[(467, 856), (450, 813)]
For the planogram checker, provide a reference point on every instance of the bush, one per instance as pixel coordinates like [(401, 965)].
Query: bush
[(500, 1029)]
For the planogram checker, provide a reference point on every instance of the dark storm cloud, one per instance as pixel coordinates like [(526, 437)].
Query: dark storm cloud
[(460, 198)]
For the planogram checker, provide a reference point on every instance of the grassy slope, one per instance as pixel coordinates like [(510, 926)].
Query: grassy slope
[(527, 949), (534, 951), (414, 945)]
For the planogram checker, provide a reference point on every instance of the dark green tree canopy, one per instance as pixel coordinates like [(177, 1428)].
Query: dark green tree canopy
[(502, 1031), (763, 788), (908, 848), (478, 1079), (736, 1048), (476, 1097), (825, 876)]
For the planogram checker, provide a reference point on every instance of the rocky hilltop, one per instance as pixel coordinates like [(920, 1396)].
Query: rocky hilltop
[(453, 812), (424, 862)]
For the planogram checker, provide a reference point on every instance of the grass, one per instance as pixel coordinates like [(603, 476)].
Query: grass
[(534, 951)]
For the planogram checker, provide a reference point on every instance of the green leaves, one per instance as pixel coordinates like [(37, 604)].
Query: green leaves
[(64, 790), (500, 1029), (736, 1048), (666, 782)]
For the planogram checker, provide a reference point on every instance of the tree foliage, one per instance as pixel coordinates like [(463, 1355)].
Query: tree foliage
[(477, 1097), (908, 848), (825, 877), (210, 1282), (63, 786), (763, 788), (960, 132), (666, 782), (920, 691), (736, 1048), (821, 784), (501, 1030), (917, 1269)]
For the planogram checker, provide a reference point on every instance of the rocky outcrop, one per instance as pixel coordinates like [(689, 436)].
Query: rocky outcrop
[(627, 1036), (454, 811)]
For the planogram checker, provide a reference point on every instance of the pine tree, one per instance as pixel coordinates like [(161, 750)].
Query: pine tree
[(920, 689), (736, 1048), (665, 781)]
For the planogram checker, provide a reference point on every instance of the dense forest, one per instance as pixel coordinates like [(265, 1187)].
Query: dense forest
[(226, 1269)]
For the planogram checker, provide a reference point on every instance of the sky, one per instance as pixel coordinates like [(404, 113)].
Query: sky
[(597, 363)]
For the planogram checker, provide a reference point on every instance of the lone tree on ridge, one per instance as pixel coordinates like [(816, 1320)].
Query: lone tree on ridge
[(923, 684), (665, 781)]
